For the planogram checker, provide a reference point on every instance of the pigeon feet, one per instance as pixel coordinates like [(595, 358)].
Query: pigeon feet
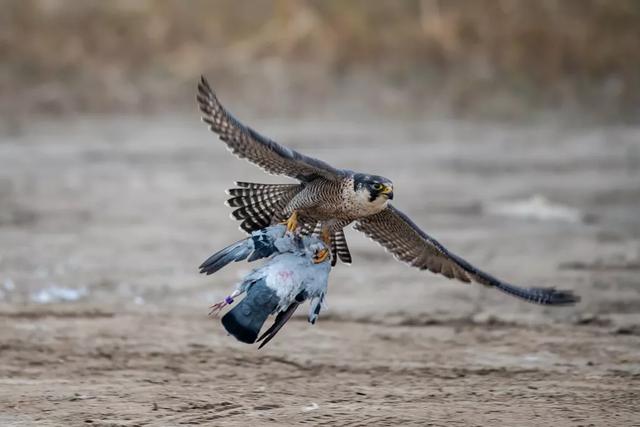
[(216, 308)]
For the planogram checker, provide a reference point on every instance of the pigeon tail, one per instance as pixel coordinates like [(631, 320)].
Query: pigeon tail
[(245, 320)]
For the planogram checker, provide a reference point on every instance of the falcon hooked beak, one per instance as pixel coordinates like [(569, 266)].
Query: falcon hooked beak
[(387, 191)]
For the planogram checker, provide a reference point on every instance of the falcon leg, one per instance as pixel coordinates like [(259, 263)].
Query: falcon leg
[(326, 236), (217, 307), (292, 222)]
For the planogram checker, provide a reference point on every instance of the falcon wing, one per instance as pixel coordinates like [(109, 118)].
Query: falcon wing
[(248, 144), (407, 242)]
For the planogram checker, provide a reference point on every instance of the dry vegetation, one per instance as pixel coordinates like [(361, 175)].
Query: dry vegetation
[(463, 55)]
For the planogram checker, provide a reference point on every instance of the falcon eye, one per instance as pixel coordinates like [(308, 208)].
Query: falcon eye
[(377, 186)]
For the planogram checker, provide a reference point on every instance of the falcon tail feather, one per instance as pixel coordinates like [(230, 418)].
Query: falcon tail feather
[(340, 242)]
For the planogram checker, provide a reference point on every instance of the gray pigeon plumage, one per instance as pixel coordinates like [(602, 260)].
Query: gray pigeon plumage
[(260, 244), (298, 270)]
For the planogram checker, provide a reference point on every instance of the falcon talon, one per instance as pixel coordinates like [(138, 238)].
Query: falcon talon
[(321, 256), (292, 222)]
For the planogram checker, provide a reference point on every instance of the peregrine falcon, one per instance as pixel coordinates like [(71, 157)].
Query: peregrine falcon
[(327, 199)]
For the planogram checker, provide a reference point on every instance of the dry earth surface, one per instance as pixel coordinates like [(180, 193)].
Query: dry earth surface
[(103, 221)]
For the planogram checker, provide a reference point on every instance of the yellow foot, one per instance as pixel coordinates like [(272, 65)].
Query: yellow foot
[(321, 256), (292, 222), (326, 236)]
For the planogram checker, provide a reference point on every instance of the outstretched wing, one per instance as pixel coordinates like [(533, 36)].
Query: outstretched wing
[(398, 234), (248, 144)]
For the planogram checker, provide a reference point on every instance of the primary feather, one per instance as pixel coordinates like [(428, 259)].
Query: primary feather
[(260, 244)]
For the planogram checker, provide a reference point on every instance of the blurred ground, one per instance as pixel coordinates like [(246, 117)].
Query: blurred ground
[(104, 220)]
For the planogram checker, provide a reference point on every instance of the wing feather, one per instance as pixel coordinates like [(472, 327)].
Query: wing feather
[(248, 144), (398, 234)]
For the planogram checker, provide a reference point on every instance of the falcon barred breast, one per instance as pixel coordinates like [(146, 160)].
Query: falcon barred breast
[(327, 199)]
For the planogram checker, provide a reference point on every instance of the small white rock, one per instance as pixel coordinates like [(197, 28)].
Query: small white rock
[(311, 407), (9, 285), (54, 293)]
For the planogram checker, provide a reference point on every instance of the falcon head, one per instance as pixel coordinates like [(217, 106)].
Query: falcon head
[(376, 189)]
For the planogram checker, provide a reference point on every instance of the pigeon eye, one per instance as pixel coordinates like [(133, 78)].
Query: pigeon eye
[(377, 186)]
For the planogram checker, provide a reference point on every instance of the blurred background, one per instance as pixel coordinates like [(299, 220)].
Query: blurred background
[(509, 128), (488, 58)]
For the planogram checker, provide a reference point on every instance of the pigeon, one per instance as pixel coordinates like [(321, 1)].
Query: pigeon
[(260, 244), (297, 270)]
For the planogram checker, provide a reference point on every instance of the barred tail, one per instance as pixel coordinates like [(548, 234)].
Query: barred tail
[(339, 242), (259, 204), (339, 248)]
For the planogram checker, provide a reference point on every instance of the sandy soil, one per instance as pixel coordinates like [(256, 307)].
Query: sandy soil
[(104, 220)]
